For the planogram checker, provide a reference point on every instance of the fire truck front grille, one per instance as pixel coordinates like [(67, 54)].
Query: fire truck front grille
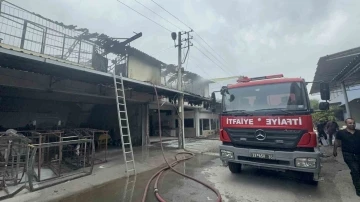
[(265, 138)]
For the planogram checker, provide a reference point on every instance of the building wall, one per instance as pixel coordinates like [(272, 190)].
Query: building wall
[(208, 123), (142, 71), (198, 127), (355, 112), (18, 112), (25, 97)]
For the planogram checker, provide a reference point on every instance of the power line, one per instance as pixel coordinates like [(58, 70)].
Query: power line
[(198, 65), (214, 57), (144, 16), (171, 14), (211, 59), (210, 46), (188, 58), (194, 31), (157, 14)]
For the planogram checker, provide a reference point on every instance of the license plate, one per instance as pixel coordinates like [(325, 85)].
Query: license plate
[(262, 156)]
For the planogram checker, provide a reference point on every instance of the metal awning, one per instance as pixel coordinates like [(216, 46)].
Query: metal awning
[(340, 70), (38, 63), (342, 67)]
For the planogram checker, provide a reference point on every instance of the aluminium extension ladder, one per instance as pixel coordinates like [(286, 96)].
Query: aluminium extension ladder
[(124, 125), (128, 191)]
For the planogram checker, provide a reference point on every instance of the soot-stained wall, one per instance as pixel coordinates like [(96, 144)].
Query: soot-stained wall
[(105, 117), (18, 112)]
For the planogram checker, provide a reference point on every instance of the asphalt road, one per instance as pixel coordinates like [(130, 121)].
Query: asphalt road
[(252, 185)]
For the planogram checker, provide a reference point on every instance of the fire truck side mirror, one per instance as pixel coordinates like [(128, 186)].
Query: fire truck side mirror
[(325, 91), (324, 106), (224, 90)]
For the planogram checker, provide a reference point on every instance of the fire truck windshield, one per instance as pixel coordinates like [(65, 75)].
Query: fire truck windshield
[(281, 96)]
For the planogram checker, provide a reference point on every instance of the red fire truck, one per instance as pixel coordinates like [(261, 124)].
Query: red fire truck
[(266, 122)]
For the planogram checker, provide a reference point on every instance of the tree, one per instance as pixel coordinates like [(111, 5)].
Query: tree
[(314, 104), (328, 115)]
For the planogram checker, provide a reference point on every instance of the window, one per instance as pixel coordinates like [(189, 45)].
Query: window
[(213, 124), (280, 95), (189, 123), (206, 124)]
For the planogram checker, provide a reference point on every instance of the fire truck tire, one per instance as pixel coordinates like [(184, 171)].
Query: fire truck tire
[(234, 167)]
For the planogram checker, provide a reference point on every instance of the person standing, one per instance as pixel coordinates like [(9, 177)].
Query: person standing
[(331, 128), (349, 140), (320, 129)]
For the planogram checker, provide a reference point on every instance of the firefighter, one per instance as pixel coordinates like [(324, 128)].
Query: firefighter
[(349, 140)]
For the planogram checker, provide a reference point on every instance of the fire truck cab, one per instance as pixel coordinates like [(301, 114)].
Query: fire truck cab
[(266, 122)]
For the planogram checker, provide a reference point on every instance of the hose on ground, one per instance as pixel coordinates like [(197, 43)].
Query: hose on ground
[(170, 166)]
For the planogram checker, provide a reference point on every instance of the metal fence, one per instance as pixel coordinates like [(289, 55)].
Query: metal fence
[(14, 154), (76, 160), (26, 30), (45, 158)]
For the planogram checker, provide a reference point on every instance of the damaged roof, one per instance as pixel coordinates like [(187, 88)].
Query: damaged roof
[(337, 68), (15, 58), (171, 70)]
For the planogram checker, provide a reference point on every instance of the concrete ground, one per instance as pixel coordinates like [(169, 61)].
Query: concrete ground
[(157, 139), (252, 185), (146, 158)]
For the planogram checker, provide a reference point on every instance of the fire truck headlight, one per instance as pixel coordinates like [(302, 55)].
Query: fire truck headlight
[(305, 162), (227, 154)]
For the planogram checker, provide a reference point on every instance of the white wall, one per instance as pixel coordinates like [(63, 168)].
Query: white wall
[(355, 112), (142, 71)]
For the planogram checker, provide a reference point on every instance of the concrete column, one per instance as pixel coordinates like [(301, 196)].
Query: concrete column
[(145, 124), (210, 122), (197, 122), (347, 107)]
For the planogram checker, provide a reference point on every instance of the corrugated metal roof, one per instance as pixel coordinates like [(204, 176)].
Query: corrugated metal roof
[(333, 68)]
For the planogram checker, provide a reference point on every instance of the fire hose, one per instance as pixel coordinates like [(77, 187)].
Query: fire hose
[(170, 166)]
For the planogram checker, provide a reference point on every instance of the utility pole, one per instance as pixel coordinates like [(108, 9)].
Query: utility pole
[(181, 137), (181, 141)]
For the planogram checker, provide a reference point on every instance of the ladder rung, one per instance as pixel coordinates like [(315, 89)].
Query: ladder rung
[(131, 170), (122, 111), (129, 161), (126, 143), (128, 152), (121, 103), (120, 96)]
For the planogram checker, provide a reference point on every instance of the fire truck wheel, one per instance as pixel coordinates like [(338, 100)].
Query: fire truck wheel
[(234, 167)]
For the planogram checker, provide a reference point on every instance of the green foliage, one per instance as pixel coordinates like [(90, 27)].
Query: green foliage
[(328, 115), (314, 103)]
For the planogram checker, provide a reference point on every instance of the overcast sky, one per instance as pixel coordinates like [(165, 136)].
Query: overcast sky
[(253, 37)]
